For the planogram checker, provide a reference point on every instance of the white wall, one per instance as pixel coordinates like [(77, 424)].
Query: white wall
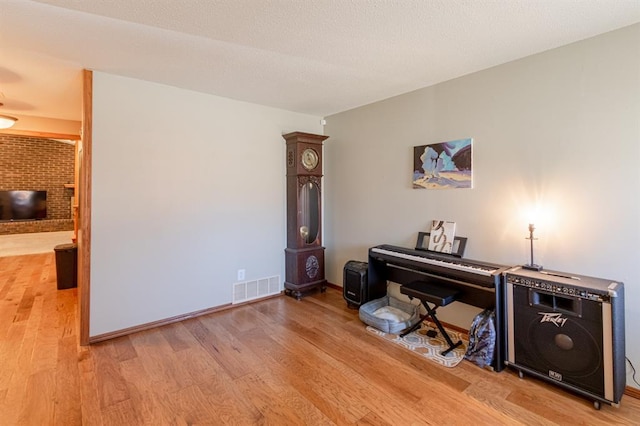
[(559, 131), (187, 189)]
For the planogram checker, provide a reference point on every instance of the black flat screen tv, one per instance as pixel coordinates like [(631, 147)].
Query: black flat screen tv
[(23, 205)]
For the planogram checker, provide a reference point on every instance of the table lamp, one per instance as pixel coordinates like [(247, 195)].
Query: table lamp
[(532, 266)]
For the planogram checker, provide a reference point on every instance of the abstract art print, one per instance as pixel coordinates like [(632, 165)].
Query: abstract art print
[(442, 236), (443, 165)]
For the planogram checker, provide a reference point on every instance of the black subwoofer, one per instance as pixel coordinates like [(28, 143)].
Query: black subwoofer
[(569, 330), (354, 283)]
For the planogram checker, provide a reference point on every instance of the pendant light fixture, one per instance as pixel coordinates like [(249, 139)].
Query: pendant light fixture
[(6, 121)]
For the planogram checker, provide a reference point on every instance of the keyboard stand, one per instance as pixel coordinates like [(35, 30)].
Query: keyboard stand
[(439, 296)]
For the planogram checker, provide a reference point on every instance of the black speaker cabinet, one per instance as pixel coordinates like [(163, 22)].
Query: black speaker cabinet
[(354, 282), (568, 330), (357, 288)]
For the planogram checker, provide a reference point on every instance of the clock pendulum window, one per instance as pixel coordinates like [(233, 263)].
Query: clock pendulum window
[(304, 255)]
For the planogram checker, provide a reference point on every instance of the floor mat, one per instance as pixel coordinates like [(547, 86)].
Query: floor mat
[(428, 347)]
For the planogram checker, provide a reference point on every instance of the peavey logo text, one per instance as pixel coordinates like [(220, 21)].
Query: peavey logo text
[(555, 375), (553, 317)]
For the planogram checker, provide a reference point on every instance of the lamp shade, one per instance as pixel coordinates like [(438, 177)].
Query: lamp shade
[(7, 121)]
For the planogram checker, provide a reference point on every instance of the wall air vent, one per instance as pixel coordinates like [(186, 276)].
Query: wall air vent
[(255, 289)]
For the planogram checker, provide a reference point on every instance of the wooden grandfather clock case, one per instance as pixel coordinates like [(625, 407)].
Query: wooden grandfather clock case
[(304, 255)]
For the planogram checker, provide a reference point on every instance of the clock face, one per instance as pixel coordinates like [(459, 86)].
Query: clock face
[(309, 159)]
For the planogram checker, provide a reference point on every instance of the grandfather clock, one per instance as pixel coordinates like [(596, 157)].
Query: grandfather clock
[(304, 255)]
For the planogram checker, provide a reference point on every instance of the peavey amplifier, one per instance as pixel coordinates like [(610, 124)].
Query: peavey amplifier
[(569, 330)]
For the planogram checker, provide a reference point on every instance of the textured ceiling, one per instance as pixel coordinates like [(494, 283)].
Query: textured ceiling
[(311, 56)]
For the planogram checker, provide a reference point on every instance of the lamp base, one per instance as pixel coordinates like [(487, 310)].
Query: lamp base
[(533, 267)]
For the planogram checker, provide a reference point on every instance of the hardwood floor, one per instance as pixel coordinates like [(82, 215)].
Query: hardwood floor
[(277, 362), (37, 242)]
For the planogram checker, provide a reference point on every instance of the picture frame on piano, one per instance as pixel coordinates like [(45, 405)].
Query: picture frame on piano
[(459, 244)]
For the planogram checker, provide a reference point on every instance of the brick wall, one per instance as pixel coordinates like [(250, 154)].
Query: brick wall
[(38, 164)]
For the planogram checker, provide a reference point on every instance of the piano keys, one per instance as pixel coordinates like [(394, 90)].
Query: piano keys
[(479, 283), (437, 259)]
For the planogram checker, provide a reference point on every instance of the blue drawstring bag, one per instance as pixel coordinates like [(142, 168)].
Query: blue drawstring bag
[(482, 339)]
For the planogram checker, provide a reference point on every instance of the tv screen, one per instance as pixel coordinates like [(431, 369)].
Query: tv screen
[(23, 205)]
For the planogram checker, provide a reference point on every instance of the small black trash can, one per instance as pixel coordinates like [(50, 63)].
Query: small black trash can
[(67, 265)]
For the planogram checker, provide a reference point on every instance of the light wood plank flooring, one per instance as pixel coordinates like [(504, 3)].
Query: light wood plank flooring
[(37, 242), (276, 362)]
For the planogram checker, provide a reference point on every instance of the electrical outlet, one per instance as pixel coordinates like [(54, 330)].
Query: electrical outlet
[(240, 274)]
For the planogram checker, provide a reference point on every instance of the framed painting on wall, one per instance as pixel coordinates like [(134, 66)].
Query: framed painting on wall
[(443, 165)]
